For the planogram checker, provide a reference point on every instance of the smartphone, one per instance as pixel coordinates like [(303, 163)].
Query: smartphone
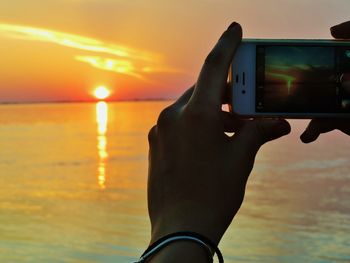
[(291, 79)]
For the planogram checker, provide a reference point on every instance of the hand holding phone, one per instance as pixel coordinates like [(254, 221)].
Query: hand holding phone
[(318, 126), (291, 78), (191, 156)]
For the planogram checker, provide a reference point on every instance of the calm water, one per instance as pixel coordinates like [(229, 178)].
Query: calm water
[(73, 189)]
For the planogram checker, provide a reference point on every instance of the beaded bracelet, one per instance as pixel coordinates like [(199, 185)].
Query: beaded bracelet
[(208, 245)]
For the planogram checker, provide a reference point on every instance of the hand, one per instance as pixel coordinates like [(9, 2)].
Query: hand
[(318, 126), (198, 174)]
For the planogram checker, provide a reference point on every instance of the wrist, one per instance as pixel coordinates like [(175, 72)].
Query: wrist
[(205, 225), (208, 246)]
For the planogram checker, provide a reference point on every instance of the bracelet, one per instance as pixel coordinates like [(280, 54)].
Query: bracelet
[(209, 246)]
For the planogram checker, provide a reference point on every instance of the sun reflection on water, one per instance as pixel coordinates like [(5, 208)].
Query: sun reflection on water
[(102, 120)]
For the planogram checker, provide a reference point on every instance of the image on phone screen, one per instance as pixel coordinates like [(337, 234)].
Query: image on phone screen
[(296, 79)]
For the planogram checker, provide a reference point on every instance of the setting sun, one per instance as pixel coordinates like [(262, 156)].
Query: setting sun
[(101, 92)]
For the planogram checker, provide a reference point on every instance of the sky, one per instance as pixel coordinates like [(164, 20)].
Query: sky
[(61, 50)]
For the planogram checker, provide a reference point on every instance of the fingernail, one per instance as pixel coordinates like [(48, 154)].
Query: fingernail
[(233, 24)]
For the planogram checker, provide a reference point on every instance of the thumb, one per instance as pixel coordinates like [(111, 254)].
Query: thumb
[(257, 132)]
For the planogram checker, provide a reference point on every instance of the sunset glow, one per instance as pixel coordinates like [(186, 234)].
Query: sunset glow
[(58, 50), (100, 54)]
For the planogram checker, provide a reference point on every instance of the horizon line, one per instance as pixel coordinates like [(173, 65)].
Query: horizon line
[(84, 101)]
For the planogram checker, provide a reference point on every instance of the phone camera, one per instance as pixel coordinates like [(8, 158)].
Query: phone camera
[(243, 91)]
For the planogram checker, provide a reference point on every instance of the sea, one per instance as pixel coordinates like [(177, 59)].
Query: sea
[(73, 182)]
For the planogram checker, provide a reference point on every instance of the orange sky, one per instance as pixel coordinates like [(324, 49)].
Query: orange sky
[(57, 50)]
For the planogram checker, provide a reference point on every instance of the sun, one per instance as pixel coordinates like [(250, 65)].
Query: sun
[(101, 92)]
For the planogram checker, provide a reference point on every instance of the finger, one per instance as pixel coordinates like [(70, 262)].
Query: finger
[(315, 128), (212, 80), (227, 94), (341, 31), (257, 132), (231, 122), (185, 97)]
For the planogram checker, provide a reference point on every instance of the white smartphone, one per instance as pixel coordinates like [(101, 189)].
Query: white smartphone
[(291, 79)]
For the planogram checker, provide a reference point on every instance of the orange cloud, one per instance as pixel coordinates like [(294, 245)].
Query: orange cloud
[(111, 57)]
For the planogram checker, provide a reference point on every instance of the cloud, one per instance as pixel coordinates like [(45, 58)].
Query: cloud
[(123, 66), (112, 57), (119, 66)]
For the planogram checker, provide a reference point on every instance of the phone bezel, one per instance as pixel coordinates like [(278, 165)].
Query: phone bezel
[(244, 62)]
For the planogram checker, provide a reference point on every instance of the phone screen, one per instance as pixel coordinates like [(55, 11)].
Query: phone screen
[(297, 79)]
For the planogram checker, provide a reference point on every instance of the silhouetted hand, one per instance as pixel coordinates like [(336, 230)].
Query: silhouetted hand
[(198, 174), (318, 126)]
